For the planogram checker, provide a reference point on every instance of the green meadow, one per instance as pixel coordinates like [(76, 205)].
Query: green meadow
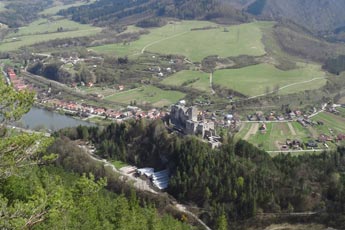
[(259, 79), (187, 78), (331, 121), (43, 26), (180, 38), (147, 95), (45, 30)]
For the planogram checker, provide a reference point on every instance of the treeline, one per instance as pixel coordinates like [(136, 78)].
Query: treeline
[(256, 7), (237, 181), (137, 142), (19, 13), (335, 65), (151, 22), (52, 71), (50, 198), (108, 12)]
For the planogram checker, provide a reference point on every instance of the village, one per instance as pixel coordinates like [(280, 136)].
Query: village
[(186, 120)]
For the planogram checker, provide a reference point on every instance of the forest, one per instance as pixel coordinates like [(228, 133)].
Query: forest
[(335, 65), (20, 13), (237, 181), (38, 189), (108, 12)]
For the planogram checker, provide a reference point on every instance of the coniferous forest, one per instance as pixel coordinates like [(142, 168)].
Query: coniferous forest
[(237, 181)]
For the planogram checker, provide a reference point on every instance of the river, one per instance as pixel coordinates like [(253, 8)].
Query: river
[(38, 118)]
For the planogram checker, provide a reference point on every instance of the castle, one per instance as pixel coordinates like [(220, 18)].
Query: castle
[(190, 122)]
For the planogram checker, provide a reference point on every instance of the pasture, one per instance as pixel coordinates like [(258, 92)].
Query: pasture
[(195, 40), (263, 78), (45, 30), (187, 78), (147, 95)]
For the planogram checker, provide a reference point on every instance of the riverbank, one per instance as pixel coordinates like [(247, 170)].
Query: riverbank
[(42, 119)]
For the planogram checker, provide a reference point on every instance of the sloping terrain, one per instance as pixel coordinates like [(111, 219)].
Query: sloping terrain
[(107, 12), (320, 16)]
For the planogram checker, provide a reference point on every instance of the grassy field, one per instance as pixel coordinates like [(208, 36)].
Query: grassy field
[(331, 121), (60, 6), (119, 164), (43, 26), (178, 38), (275, 135), (188, 78), (43, 30), (264, 78), (147, 95)]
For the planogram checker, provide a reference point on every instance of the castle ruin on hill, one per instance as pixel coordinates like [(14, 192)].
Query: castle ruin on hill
[(191, 122)]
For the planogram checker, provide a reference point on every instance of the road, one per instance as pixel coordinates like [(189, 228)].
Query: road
[(289, 214), (28, 130), (158, 41), (285, 121), (284, 87), (141, 185), (138, 183), (67, 90), (320, 111), (300, 151), (211, 84)]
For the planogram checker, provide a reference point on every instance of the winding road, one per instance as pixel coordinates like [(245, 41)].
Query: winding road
[(286, 86), (141, 185)]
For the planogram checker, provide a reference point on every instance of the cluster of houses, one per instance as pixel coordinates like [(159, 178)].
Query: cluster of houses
[(273, 116), (161, 72), (17, 83), (87, 110)]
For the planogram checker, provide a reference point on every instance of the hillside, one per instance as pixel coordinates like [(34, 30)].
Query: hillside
[(107, 12), (320, 16)]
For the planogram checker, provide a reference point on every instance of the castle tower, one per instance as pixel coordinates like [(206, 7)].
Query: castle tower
[(193, 113)]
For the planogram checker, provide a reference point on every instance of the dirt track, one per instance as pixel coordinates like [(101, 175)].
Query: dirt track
[(252, 131), (292, 130)]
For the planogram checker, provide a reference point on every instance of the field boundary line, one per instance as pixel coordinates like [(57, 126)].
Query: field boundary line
[(158, 41), (123, 92), (286, 86), (292, 129)]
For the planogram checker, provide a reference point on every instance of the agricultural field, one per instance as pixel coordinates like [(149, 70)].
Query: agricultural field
[(275, 136), (179, 38), (147, 95), (188, 78), (264, 78), (333, 124), (341, 111), (45, 30), (277, 133)]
